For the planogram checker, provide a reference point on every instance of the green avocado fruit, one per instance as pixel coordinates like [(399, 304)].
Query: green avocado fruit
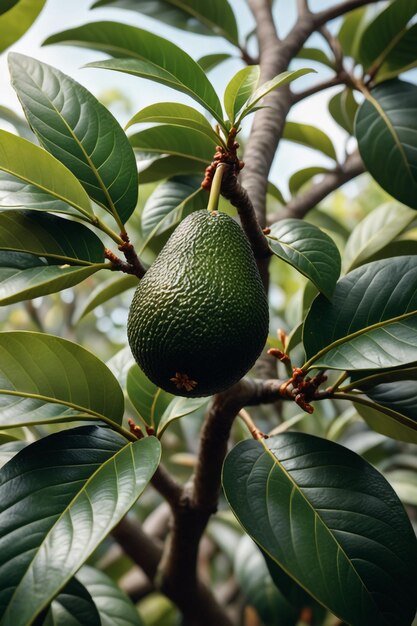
[(199, 317)]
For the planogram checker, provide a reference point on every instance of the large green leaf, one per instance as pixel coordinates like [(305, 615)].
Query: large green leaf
[(89, 478), (104, 291), (17, 20), (24, 276), (114, 606), (210, 61), (35, 166), (371, 322), (49, 236), (351, 31), (309, 250), (149, 400), (382, 34), (16, 194), (46, 379), (79, 131), (175, 114), (73, 606), (170, 203), (206, 18), (386, 124), (182, 142), (239, 89), (331, 521), (309, 136), (374, 232), (160, 167), (177, 408), (342, 108), (402, 57), (148, 55)]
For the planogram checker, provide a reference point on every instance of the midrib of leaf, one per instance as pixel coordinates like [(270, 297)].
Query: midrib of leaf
[(66, 259), (376, 65), (87, 158), (291, 247), (391, 130), (202, 18), (357, 333), (399, 417), (317, 516), (83, 490)]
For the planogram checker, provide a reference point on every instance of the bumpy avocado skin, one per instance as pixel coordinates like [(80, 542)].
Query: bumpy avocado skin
[(201, 310)]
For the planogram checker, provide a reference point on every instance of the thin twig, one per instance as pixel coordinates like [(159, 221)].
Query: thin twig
[(337, 10), (318, 87)]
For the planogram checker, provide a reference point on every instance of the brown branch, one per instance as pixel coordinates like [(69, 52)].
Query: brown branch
[(302, 7), (339, 9), (167, 486), (299, 206), (325, 84)]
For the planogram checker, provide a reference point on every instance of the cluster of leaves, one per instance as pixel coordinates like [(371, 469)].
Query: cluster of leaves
[(326, 521)]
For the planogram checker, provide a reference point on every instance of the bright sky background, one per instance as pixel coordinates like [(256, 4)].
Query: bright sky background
[(59, 15)]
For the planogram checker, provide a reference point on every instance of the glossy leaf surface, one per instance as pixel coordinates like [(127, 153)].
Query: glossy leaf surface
[(49, 236), (401, 57), (309, 136), (149, 56), (386, 124), (210, 61), (239, 89), (342, 108), (149, 400), (114, 607), (89, 478), (182, 142), (309, 250), (371, 322), (35, 166), (331, 521), (17, 20), (70, 378), (16, 194), (73, 606), (79, 131)]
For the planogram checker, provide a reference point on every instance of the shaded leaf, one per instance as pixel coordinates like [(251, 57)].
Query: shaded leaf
[(374, 232), (210, 61), (239, 89), (386, 124), (17, 20), (79, 131), (300, 178), (104, 292), (177, 408), (371, 322), (400, 58), (182, 142), (149, 400), (114, 606), (351, 31), (308, 250), (35, 166), (404, 483), (343, 108), (150, 56), (166, 166), (24, 276), (9, 450), (315, 54), (321, 512), (7, 5), (175, 114), (72, 607), (18, 122), (89, 478), (70, 378), (309, 136), (276, 193), (49, 236)]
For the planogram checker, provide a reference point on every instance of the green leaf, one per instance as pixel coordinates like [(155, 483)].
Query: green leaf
[(24, 276), (308, 250), (149, 400), (170, 203), (402, 57), (274, 192), (392, 423), (374, 232), (89, 478), (404, 483), (371, 322), (213, 18), (9, 450), (343, 108), (175, 114), (160, 167), (7, 5), (177, 408), (309, 136), (239, 89), (384, 31), (35, 166), (270, 85), (20, 124), (182, 142), (71, 382), (300, 178), (316, 54), (386, 124), (331, 521), (210, 61), (72, 607), (104, 292), (114, 606), (16, 21), (351, 31), (80, 132), (148, 55), (49, 236), (16, 194)]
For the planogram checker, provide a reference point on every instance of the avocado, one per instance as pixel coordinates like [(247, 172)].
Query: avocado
[(199, 317)]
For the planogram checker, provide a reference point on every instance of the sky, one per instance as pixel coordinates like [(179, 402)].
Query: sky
[(59, 15)]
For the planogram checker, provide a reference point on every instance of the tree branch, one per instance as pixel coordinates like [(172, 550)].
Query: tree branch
[(302, 7), (325, 84), (339, 9), (299, 206)]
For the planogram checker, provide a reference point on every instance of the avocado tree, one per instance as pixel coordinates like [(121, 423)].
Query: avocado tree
[(268, 516)]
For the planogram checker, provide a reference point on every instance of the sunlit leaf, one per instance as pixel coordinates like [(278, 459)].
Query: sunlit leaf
[(17, 20), (182, 142), (239, 89), (309, 136)]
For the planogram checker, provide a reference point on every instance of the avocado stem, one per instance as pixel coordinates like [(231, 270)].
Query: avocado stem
[(215, 188)]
